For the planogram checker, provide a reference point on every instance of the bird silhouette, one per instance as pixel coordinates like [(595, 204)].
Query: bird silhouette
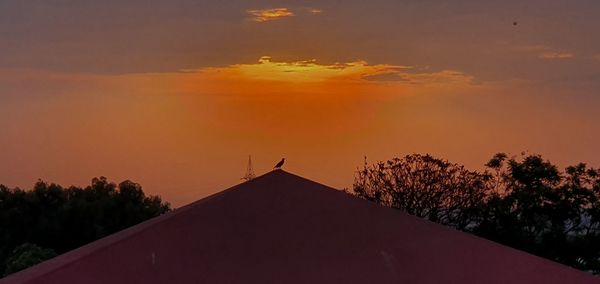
[(278, 166)]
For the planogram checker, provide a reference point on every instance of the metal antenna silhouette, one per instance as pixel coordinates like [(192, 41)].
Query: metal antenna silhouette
[(249, 170)]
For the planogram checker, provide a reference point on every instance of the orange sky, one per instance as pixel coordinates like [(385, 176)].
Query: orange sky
[(179, 106)]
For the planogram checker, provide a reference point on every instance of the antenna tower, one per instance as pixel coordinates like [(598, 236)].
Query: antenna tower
[(249, 170)]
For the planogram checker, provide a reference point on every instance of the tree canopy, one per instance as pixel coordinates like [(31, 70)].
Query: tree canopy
[(524, 202), (26, 255), (35, 224)]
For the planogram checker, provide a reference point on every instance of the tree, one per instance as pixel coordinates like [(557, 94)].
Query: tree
[(544, 211), (27, 255), (425, 186), (524, 202), (61, 219)]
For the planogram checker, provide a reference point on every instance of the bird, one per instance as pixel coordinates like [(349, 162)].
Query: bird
[(278, 166), (515, 23)]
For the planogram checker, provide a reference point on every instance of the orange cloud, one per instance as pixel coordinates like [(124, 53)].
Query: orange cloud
[(310, 71), (267, 77), (304, 71), (311, 80), (265, 15)]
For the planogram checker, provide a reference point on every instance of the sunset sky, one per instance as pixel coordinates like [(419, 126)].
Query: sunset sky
[(176, 94)]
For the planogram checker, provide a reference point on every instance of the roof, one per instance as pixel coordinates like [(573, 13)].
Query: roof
[(282, 228)]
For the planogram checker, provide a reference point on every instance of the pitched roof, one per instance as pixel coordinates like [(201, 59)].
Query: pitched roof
[(282, 228)]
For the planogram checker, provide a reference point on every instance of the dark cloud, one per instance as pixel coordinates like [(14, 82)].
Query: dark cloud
[(157, 36)]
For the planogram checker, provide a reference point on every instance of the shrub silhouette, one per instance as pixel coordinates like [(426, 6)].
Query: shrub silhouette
[(26, 255)]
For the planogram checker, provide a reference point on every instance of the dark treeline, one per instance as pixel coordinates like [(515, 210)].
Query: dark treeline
[(49, 219), (524, 202)]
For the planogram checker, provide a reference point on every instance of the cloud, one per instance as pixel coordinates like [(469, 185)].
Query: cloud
[(546, 52), (314, 11), (265, 77), (337, 76), (444, 77), (556, 55), (307, 71), (266, 15)]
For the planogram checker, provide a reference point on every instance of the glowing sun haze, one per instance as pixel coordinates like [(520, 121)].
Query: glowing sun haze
[(176, 94)]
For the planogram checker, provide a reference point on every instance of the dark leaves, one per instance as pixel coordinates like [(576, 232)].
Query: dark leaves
[(62, 219), (524, 202)]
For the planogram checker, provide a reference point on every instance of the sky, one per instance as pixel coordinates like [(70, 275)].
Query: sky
[(176, 94)]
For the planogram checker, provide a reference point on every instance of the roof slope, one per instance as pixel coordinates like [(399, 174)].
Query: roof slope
[(281, 228)]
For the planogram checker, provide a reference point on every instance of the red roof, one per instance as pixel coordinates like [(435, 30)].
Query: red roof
[(281, 228)]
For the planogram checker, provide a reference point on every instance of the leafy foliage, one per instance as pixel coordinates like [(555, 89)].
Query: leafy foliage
[(426, 187), (523, 202), (61, 219), (27, 255)]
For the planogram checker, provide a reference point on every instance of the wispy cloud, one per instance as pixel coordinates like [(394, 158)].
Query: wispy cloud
[(314, 11), (265, 15), (556, 55), (546, 52)]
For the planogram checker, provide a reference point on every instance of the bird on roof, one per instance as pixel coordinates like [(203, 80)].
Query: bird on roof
[(278, 166)]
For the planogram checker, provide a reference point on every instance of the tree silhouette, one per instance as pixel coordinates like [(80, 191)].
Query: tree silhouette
[(425, 186), (61, 219), (524, 202)]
